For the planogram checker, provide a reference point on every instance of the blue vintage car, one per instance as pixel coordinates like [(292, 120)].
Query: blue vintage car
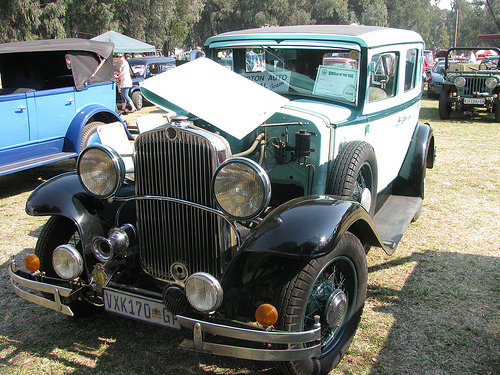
[(435, 78), (53, 96), (251, 213)]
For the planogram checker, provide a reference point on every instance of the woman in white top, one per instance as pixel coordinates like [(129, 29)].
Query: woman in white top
[(125, 83)]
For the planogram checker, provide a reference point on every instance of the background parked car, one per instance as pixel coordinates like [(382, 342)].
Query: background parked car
[(435, 78), (142, 68), (429, 55), (54, 94), (471, 84)]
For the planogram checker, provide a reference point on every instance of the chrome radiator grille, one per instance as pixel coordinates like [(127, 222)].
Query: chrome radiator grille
[(169, 232)]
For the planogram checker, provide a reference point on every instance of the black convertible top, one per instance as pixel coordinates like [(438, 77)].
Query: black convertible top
[(103, 49), (52, 63)]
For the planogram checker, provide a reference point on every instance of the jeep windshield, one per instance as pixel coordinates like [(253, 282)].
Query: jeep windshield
[(319, 73)]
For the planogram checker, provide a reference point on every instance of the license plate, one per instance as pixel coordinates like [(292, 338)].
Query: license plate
[(473, 101), (139, 307)]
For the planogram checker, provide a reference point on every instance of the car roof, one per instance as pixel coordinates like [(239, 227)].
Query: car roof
[(365, 36), (150, 60), (104, 49)]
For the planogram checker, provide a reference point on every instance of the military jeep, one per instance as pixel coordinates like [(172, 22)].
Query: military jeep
[(471, 82)]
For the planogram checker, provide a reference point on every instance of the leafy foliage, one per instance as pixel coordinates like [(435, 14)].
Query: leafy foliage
[(187, 23)]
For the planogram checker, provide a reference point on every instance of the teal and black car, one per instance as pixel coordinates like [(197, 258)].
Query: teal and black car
[(250, 215)]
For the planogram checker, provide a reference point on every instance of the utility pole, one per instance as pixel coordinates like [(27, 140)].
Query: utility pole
[(456, 29)]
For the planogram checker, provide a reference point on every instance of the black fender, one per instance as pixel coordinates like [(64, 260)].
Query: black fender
[(65, 196), (311, 226), (292, 234), (420, 156)]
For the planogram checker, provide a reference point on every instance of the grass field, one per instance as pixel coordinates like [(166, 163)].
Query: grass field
[(432, 308)]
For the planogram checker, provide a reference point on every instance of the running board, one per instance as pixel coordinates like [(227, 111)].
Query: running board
[(32, 163), (394, 218)]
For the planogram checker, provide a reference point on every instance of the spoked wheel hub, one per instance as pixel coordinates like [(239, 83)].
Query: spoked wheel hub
[(336, 309)]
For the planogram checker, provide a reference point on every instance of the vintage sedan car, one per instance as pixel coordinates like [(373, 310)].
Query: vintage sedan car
[(429, 55), (143, 68), (469, 84), (53, 96), (251, 213), (435, 78)]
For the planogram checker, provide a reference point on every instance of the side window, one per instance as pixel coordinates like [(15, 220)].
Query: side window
[(383, 76), (411, 68), (225, 58)]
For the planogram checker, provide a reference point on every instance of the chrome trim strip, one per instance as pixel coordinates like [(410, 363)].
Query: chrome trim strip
[(58, 292), (265, 337)]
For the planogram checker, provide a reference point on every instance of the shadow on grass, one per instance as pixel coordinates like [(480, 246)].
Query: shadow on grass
[(27, 180), (447, 316), (447, 321)]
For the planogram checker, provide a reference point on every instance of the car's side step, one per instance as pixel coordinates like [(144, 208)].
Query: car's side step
[(32, 163), (394, 217)]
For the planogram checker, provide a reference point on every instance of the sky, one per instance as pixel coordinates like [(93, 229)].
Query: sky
[(445, 4)]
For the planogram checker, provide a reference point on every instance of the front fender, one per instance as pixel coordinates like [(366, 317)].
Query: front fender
[(291, 235), (310, 227), (65, 196), (420, 156), (85, 115)]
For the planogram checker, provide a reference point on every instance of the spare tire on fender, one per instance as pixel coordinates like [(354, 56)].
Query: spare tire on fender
[(354, 175)]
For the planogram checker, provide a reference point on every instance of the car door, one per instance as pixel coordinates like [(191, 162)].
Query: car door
[(14, 121), (391, 107), (55, 109)]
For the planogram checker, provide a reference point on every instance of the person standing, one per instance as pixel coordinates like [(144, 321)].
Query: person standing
[(125, 83)]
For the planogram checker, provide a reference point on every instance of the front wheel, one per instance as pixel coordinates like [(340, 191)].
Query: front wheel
[(57, 231), (444, 106), (332, 287), (137, 99), (89, 134), (497, 112)]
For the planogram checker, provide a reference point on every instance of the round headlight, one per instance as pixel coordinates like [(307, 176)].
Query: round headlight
[(67, 262), (241, 188), (491, 83), (460, 81), (100, 170), (203, 292)]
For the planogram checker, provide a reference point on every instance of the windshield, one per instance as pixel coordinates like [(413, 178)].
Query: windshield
[(327, 73)]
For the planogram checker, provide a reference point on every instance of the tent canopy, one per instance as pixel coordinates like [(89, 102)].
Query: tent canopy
[(124, 44)]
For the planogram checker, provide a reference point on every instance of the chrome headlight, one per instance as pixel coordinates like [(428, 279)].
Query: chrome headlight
[(241, 188), (101, 170), (491, 83), (203, 292), (67, 262), (460, 81)]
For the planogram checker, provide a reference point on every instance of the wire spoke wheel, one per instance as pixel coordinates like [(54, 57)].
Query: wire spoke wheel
[(332, 287)]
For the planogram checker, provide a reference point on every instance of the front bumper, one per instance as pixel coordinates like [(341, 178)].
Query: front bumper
[(296, 345), (262, 344), (19, 278)]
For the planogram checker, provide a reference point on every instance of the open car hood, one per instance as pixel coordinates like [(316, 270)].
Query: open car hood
[(207, 90)]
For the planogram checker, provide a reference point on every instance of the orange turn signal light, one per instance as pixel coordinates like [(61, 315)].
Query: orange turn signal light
[(32, 263), (266, 315)]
